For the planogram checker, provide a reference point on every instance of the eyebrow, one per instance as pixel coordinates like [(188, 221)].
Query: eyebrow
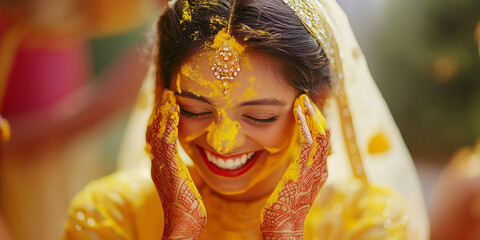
[(188, 94), (266, 101)]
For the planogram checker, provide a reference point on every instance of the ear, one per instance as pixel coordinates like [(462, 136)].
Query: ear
[(321, 98), (159, 87), (158, 92), (319, 102)]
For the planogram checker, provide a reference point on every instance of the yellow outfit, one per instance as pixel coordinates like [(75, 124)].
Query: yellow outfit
[(125, 205)]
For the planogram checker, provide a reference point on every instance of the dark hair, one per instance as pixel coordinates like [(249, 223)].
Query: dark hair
[(266, 26)]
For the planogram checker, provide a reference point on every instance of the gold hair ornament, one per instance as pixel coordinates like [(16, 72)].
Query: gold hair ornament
[(226, 61)]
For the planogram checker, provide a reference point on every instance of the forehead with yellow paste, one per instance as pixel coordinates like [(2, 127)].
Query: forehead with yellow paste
[(193, 77)]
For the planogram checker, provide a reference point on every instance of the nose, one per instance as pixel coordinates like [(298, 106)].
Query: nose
[(225, 134)]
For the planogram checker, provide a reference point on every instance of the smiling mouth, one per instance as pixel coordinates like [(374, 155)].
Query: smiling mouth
[(231, 166)]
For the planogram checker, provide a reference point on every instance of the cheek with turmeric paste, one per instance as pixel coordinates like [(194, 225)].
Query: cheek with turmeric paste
[(273, 150)]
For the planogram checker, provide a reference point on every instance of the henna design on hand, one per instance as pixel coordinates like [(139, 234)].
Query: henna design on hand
[(184, 211), (284, 214)]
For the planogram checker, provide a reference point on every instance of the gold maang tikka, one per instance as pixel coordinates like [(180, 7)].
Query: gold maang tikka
[(226, 64)]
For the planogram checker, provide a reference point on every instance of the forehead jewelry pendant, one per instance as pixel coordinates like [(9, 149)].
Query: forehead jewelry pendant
[(226, 64)]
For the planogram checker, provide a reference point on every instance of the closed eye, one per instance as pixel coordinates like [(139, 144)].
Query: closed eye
[(261, 121), (192, 114)]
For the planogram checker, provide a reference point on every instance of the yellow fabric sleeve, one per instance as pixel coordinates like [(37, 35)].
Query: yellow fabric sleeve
[(124, 205)]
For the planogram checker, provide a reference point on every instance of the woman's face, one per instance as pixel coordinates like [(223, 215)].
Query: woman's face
[(242, 138)]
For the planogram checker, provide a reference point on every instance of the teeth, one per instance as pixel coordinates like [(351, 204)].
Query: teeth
[(243, 159), (230, 163), (220, 163)]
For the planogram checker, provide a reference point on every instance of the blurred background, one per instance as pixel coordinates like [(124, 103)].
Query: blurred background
[(70, 71), (425, 58)]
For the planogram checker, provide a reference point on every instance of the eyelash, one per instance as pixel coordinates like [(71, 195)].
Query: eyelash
[(262, 121), (255, 120), (192, 115)]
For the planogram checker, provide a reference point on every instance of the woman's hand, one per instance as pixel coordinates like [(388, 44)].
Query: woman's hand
[(284, 214), (185, 215)]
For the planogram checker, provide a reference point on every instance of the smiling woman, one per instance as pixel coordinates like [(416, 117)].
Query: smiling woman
[(242, 86), (217, 130)]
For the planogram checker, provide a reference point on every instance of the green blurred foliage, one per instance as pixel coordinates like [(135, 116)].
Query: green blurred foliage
[(427, 65), (105, 49)]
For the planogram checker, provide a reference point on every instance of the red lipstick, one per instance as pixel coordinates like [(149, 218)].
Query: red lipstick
[(225, 172)]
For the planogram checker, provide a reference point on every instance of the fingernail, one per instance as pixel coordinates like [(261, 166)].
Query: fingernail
[(306, 99), (299, 109)]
